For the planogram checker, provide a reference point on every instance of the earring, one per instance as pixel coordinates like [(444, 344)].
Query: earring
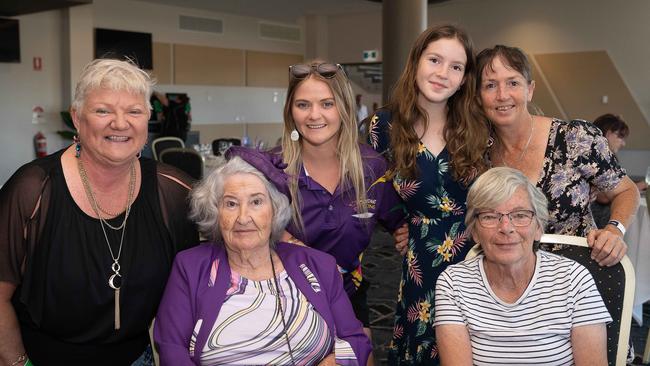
[(77, 147), (295, 136)]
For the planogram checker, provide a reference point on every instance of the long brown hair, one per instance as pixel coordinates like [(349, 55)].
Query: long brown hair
[(466, 131), (351, 164)]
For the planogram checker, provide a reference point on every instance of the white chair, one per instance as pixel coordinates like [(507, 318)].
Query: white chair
[(606, 278), (163, 143), (646, 352)]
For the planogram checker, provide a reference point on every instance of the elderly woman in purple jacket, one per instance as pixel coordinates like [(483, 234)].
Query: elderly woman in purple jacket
[(244, 297)]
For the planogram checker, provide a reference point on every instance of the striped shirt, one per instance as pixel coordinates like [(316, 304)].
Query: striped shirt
[(249, 329), (535, 329)]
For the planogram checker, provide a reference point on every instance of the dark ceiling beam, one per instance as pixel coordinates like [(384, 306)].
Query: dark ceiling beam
[(14, 8)]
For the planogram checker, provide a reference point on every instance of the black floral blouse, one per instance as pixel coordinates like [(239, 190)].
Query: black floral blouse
[(577, 164)]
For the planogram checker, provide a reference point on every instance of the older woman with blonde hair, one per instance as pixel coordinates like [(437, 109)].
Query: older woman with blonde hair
[(516, 304), (89, 233), (246, 298)]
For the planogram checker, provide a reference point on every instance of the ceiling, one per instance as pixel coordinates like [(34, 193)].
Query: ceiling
[(279, 10), (13, 8)]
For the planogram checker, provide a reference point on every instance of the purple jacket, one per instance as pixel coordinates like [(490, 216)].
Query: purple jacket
[(197, 287)]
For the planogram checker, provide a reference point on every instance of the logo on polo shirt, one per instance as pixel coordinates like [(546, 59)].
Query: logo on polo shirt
[(313, 282)]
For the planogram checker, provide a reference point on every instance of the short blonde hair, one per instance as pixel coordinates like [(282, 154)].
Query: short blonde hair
[(114, 75), (498, 185)]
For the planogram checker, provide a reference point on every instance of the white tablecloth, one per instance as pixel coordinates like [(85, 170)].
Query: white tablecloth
[(637, 238), (210, 163)]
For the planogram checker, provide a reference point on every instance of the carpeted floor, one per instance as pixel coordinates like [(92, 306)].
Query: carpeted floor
[(382, 266)]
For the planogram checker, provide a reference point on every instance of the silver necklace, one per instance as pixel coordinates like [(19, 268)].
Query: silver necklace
[(115, 280), (523, 152), (279, 303)]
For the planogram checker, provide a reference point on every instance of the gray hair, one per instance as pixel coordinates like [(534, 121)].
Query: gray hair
[(206, 196), (498, 185), (114, 75)]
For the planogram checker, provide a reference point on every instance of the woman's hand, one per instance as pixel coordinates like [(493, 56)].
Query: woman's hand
[(330, 360), (401, 235), (607, 245), (11, 346)]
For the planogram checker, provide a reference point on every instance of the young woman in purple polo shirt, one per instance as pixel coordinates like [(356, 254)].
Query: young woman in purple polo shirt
[(337, 185), (433, 134)]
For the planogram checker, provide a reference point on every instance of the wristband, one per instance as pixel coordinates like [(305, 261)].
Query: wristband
[(618, 225)]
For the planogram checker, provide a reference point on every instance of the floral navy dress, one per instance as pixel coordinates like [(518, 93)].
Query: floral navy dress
[(435, 203)]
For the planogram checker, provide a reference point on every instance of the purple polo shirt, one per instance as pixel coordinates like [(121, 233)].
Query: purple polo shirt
[(331, 221)]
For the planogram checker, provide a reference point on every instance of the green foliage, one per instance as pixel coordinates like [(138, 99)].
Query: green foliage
[(67, 119)]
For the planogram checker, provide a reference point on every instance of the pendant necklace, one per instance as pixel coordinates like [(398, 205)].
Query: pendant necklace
[(523, 152), (115, 280), (279, 304)]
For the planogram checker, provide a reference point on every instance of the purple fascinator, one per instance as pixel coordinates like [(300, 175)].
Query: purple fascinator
[(268, 163)]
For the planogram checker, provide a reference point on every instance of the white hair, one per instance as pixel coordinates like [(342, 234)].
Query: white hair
[(496, 186), (114, 75), (205, 198)]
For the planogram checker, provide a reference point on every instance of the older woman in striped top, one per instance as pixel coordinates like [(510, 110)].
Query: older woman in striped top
[(516, 304)]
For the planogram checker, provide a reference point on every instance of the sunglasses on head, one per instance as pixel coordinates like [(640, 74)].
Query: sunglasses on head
[(301, 71)]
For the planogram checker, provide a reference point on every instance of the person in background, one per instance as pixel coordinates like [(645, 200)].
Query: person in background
[(615, 130), (159, 105), (435, 139), (178, 119), (362, 114), (89, 233), (362, 109), (337, 184), (566, 160), (516, 304), (245, 297)]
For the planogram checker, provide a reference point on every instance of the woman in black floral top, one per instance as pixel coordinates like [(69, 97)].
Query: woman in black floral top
[(569, 161)]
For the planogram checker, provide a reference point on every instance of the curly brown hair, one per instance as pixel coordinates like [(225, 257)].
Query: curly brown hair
[(466, 131)]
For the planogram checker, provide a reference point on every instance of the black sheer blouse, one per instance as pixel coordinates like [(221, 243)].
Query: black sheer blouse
[(59, 260)]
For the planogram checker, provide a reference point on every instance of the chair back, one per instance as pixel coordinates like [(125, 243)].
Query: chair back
[(187, 160), (615, 284), (219, 146), (162, 143)]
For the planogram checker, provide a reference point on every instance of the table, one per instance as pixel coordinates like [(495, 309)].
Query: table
[(211, 162), (637, 238)]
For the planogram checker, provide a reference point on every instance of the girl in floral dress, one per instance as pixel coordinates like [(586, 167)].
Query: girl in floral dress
[(435, 139)]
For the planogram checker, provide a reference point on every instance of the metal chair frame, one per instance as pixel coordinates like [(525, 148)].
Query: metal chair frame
[(155, 142)]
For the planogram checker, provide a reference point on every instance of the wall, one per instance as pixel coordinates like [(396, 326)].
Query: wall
[(210, 104), (22, 88), (63, 39)]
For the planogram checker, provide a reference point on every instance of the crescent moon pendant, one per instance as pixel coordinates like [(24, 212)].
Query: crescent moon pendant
[(112, 281)]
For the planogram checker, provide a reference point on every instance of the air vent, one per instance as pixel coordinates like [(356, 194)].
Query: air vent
[(196, 24), (279, 32)]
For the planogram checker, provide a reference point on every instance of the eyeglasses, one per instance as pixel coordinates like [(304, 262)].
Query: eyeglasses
[(328, 71), (517, 218)]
